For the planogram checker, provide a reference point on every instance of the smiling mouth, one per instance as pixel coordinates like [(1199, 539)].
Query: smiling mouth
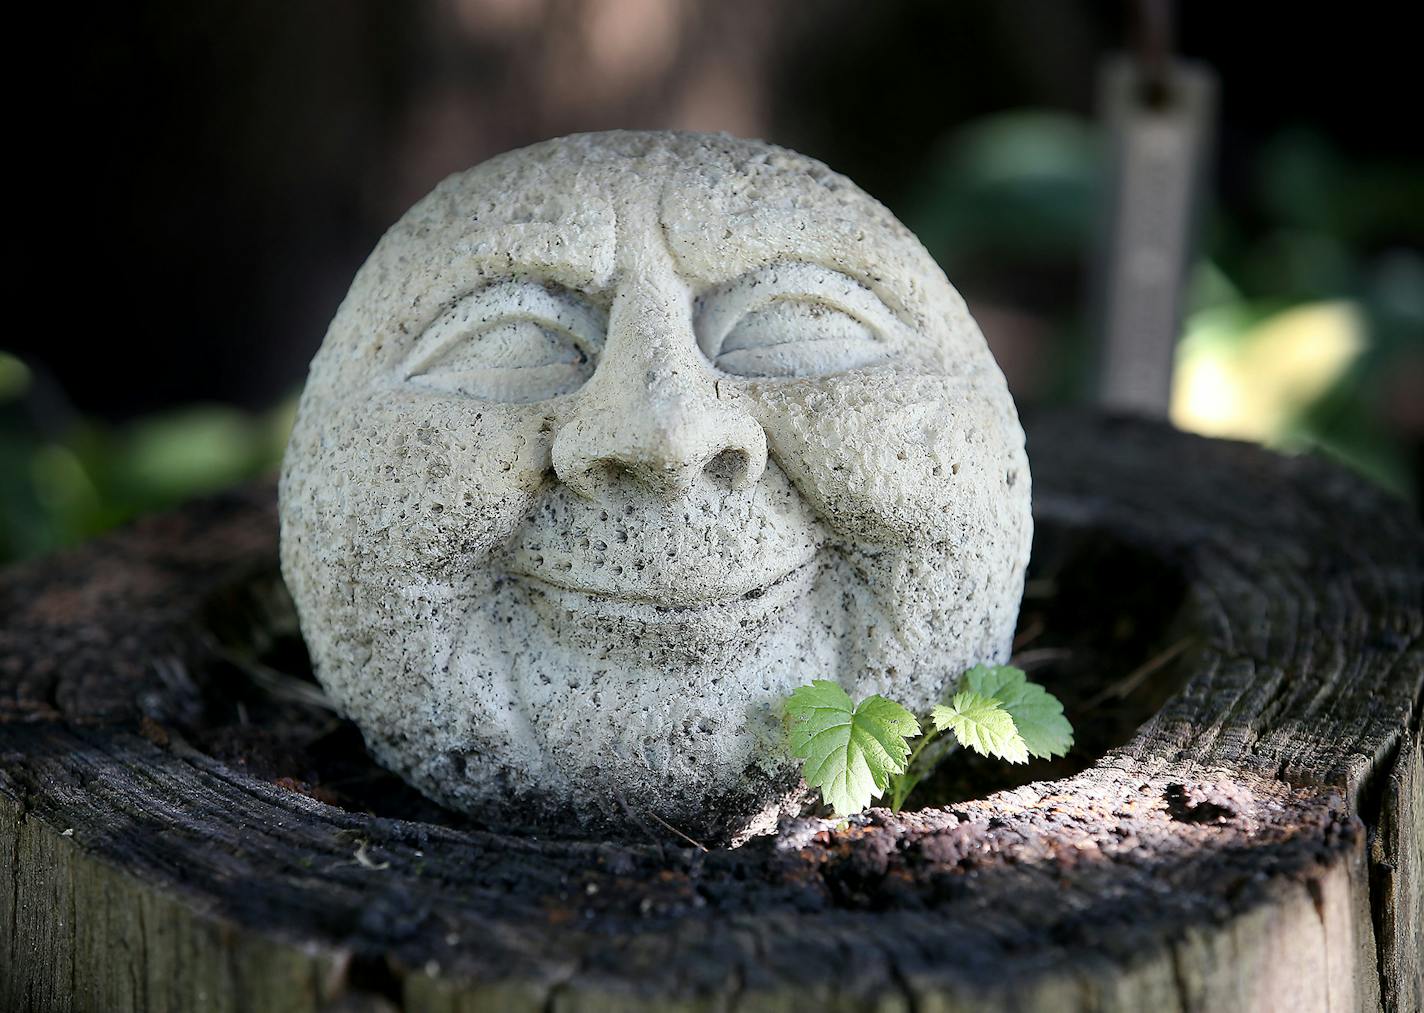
[(648, 604)]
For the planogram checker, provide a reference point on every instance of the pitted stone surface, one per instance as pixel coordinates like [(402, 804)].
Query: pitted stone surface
[(617, 439)]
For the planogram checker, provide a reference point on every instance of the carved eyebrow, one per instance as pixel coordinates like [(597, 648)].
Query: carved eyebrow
[(725, 305), (577, 255), (505, 301)]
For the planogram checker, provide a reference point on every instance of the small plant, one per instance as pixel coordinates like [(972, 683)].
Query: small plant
[(855, 753)]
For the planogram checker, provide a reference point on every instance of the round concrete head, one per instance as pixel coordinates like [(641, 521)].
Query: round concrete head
[(616, 440)]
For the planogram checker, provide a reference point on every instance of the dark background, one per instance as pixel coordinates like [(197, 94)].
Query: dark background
[(209, 176)]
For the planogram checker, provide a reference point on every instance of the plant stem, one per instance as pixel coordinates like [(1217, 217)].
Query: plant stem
[(901, 784)]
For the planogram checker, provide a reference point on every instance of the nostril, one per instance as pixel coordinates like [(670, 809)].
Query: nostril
[(729, 467), (663, 451)]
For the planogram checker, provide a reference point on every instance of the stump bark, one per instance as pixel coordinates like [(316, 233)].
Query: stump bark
[(1239, 638)]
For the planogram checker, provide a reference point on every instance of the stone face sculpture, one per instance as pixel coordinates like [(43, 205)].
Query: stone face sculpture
[(617, 439)]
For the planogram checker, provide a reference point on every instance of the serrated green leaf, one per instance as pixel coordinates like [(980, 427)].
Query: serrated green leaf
[(982, 724), (1037, 714), (850, 751)]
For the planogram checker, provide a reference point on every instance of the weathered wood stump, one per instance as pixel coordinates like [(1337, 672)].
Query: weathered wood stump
[(1237, 637)]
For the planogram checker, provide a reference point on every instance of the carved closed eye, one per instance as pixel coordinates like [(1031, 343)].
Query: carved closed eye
[(512, 342), (793, 320)]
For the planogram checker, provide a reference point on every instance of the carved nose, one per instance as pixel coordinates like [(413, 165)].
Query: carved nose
[(651, 411), (665, 443)]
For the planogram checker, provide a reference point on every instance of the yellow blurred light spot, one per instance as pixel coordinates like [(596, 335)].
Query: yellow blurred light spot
[(1253, 385)]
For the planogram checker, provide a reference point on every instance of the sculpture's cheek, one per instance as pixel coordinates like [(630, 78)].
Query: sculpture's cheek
[(895, 460), (430, 487)]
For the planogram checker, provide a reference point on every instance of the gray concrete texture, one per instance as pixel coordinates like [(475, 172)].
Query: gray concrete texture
[(616, 440)]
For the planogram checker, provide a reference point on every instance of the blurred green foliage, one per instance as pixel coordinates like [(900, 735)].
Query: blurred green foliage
[(1019, 196), (64, 478), (1025, 185)]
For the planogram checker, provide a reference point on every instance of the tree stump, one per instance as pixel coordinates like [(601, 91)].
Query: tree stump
[(1237, 637)]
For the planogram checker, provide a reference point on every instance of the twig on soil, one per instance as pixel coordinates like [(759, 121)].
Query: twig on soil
[(1029, 633), (696, 844), (647, 831), (1039, 656), (276, 684), (1139, 675)]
